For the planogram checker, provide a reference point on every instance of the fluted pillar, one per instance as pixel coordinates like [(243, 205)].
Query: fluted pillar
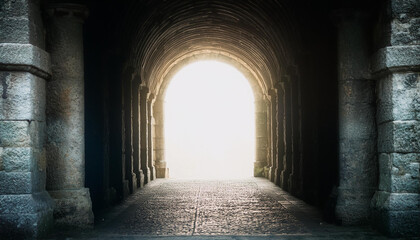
[(65, 117)]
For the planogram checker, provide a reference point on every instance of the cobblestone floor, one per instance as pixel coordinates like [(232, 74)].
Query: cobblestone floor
[(253, 208)]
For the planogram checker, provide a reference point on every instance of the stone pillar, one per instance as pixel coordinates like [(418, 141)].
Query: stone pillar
[(357, 130), (287, 127), (150, 138), (396, 204), (65, 117), (269, 163), (280, 133), (130, 178), (261, 138), (158, 139), (136, 135), (295, 178), (274, 134), (144, 91), (26, 209)]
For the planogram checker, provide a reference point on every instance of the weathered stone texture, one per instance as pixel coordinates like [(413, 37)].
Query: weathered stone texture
[(399, 97), (23, 96), (396, 214), (405, 22), (396, 57), (22, 134), (65, 116), (399, 136), (25, 207), (20, 21), (73, 207), (31, 213), (18, 159), (399, 172)]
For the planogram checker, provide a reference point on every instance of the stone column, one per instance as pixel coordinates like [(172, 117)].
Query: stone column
[(144, 91), (280, 133), (26, 209), (261, 138), (269, 163), (295, 178), (287, 127), (136, 135), (158, 140), (396, 204), (150, 138), (65, 117), (130, 178), (274, 134), (357, 130)]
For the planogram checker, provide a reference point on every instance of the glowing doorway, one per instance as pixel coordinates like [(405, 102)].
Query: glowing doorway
[(209, 123)]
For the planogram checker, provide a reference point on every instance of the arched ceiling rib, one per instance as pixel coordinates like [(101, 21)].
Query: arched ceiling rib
[(260, 33)]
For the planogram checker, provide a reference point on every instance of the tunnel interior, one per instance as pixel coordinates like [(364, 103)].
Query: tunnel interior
[(287, 49), (82, 120)]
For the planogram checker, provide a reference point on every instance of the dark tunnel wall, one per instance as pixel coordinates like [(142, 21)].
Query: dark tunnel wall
[(274, 37)]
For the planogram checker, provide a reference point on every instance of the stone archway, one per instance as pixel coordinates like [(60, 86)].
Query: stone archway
[(260, 110)]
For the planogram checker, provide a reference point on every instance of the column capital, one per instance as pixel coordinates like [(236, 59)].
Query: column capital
[(72, 10), (349, 15), (272, 93), (144, 88)]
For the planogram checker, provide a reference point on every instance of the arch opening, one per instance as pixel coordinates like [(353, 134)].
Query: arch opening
[(209, 122)]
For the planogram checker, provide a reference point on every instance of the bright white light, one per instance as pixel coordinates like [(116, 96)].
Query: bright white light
[(209, 123)]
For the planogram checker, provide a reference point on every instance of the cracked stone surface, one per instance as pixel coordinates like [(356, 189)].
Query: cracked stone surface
[(252, 208)]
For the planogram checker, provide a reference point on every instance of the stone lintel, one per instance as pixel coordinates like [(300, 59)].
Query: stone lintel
[(396, 59), (25, 58)]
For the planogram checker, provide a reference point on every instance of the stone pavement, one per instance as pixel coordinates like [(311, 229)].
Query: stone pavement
[(252, 208)]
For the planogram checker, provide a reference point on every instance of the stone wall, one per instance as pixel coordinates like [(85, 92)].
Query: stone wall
[(25, 207), (396, 65)]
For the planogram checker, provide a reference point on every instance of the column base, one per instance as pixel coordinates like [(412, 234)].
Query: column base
[(162, 172), (73, 208), (295, 187), (110, 197), (267, 172), (132, 183), (140, 180), (25, 216), (284, 180), (259, 169), (126, 188), (272, 174), (276, 177), (152, 173), (146, 176), (396, 214), (353, 206)]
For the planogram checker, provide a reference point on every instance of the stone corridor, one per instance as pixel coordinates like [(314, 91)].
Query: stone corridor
[(336, 88), (251, 208)]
